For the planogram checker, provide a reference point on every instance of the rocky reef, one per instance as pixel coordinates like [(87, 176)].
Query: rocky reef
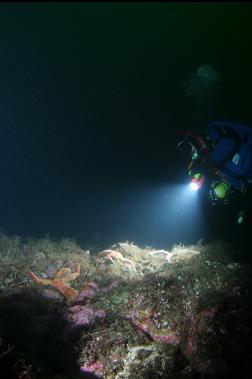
[(137, 312)]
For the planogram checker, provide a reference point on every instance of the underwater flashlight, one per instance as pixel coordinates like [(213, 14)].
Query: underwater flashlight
[(196, 182)]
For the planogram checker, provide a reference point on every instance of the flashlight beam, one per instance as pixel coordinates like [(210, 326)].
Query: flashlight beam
[(194, 186)]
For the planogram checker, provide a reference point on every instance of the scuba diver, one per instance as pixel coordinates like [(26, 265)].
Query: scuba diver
[(220, 161)]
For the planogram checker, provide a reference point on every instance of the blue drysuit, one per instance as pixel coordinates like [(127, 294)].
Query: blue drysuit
[(233, 151)]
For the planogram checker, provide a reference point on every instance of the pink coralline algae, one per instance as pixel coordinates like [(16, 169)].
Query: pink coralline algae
[(170, 339), (198, 324), (158, 335), (94, 368), (51, 271), (52, 295), (83, 315), (109, 288), (92, 289), (87, 293)]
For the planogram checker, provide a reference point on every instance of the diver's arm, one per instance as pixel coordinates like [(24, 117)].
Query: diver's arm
[(199, 142), (224, 129)]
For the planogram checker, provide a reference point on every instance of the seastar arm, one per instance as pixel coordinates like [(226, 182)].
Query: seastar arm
[(73, 275), (43, 282), (67, 291), (63, 273)]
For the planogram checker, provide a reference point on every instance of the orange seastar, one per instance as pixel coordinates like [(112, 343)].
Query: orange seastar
[(61, 281)]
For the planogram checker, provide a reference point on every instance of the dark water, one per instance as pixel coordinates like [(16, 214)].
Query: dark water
[(91, 98)]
